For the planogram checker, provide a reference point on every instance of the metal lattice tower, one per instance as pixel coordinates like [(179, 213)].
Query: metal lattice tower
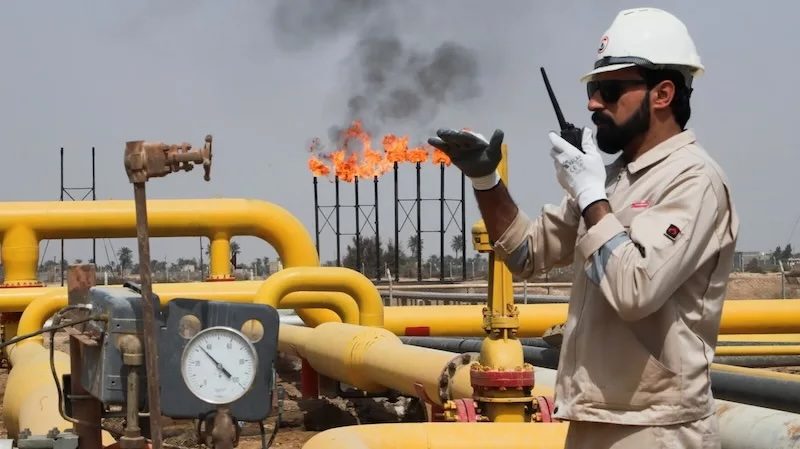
[(77, 194)]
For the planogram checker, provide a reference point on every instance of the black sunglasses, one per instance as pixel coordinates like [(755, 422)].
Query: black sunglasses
[(610, 90)]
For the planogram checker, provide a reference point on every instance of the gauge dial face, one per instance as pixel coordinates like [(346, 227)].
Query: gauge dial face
[(219, 365)]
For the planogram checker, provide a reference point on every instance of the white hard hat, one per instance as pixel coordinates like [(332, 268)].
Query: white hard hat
[(647, 37)]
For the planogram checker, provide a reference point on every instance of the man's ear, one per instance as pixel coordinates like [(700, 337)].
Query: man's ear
[(661, 94)]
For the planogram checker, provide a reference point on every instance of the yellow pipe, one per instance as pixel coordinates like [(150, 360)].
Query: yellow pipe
[(443, 436), (20, 253), (500, 350), (340, 303), (457, 321), (24, 224), (30, 400), (755, 372), (758, 350), (788, 338), (738, 317), (220, 252), (371, 359), (17, 299), (35, 315), (781, 316), (234, 291), (345, 280), (460, 320), (43, 307)]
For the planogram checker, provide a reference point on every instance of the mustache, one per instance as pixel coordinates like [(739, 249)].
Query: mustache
[(600, 119)]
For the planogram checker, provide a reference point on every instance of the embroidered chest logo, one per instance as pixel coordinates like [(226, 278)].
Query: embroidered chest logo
[(672, 232)]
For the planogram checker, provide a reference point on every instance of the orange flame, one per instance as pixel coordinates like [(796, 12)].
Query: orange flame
[(365, 162), (440, 157), (317, 167), (418, 154)]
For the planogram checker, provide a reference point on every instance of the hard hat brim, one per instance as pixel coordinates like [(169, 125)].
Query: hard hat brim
[(604, 69)]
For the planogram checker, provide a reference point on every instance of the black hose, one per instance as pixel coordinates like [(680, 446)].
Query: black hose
[(767, 392), (544, 357), (758, 361)]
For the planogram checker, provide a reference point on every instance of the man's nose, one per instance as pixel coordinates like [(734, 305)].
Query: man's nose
[(596, 102)]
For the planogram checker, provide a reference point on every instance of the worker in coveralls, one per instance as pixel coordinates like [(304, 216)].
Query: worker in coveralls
[(651, 238)]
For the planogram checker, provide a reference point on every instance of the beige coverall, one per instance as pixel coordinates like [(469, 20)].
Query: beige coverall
[(646, 301)]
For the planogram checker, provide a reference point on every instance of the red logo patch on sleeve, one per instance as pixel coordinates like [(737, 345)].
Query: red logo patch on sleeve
[(672, 232)]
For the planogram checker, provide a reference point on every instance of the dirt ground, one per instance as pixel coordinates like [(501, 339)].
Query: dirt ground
[(761, 286), (298, 415)]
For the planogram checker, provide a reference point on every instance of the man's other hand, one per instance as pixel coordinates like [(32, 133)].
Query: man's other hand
[(472, 153)]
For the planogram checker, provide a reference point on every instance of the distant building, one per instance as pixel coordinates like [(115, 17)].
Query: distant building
[(273, 266)]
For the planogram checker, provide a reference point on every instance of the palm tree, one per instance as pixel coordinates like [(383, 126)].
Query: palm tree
[(235, 251), (412, 245), (125, 256), (455, 243)]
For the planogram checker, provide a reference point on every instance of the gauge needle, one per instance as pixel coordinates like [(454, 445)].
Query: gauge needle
[(219, 365)]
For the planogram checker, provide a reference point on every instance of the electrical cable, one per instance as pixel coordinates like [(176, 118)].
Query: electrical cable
[(53, 329), (263, 435), (105, 248), (43, 330), (276, 390), (794, 228), (44, 252)]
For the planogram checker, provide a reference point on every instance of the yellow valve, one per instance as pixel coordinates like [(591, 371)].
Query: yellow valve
[(480, 238)]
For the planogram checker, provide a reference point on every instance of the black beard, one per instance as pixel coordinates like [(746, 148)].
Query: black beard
[(612, 138)]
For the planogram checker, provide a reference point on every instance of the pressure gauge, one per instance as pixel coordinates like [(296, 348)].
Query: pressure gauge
[(219, 365)]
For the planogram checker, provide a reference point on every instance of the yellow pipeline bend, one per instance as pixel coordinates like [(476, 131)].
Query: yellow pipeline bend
[(34, 316), (340, 303), (443, 436), (17, 299), (23, 224), (344, 280), (43, 307)]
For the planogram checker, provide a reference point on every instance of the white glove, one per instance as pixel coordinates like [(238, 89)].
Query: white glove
[(582, 175)]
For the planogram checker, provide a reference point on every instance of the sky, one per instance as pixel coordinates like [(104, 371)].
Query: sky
[(265, 77)]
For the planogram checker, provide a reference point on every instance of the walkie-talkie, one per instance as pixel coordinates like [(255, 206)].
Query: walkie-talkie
[(569, 132)]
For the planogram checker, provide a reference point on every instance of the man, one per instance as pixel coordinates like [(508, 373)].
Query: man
[(651, 238)]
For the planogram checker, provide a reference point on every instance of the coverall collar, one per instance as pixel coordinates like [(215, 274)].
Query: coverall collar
[(662, 150)]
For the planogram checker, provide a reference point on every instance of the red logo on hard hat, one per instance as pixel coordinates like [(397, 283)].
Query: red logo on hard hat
[(603, 44)]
